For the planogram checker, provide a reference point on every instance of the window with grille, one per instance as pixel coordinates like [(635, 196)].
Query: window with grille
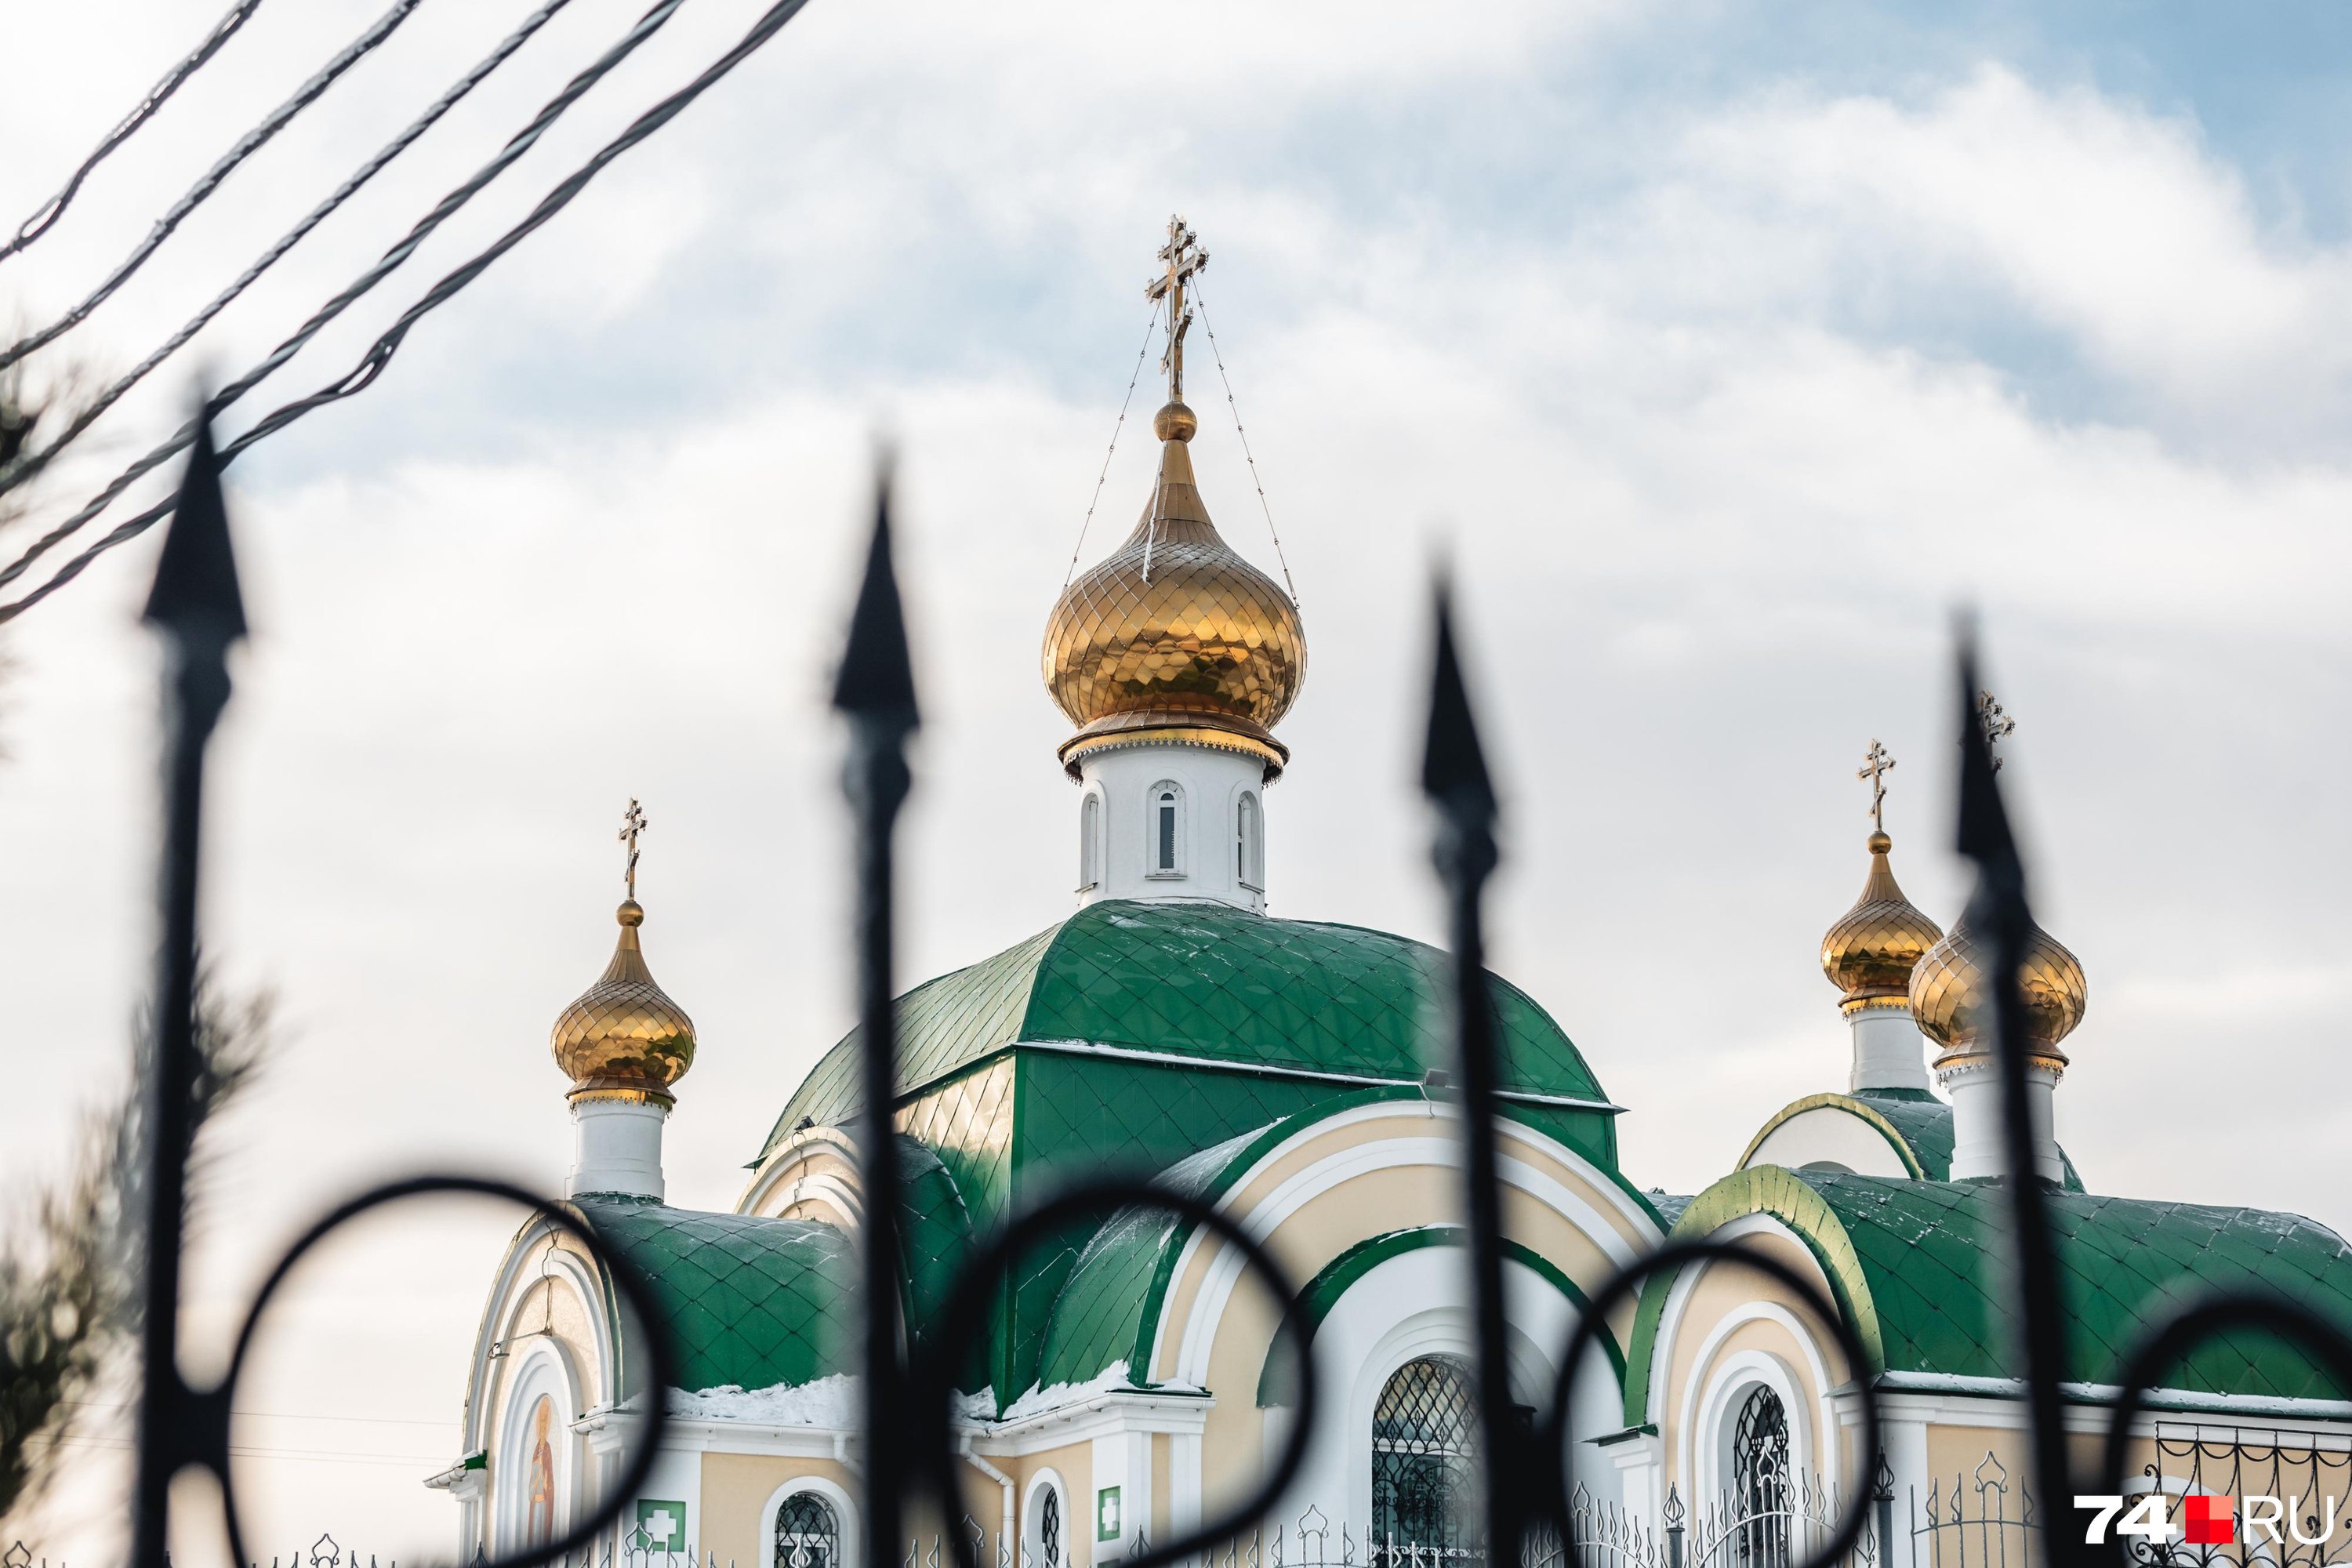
[(808, 1535), (1049, 1530), (1424, 1475), (1759, 1481)]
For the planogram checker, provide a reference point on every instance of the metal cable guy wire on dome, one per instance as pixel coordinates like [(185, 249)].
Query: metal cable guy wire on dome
[(1145, 348), (1280, 560)]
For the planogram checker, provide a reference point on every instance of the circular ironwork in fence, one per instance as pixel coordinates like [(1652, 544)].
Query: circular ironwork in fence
[(213, 1453), (967, 1312), (2169, 1343), (1554, 1452)]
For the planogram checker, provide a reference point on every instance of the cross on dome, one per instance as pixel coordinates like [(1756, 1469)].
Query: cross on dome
[(1182, 257), (633, 822), (1876, 765)]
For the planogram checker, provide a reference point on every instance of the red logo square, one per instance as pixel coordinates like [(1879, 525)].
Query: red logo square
[(2211, 1520)]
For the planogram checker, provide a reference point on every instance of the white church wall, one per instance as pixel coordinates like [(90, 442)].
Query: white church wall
[(1122, 850)]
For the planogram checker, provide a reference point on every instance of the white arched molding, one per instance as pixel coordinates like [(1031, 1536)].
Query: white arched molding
[(1166, 840), (514, 1311), (1714, 1410), (1413, 1305), (1809, 1399), (539, 1369), (816, 1168), (844, 1513), (1047, 1479), (1422, 1145)]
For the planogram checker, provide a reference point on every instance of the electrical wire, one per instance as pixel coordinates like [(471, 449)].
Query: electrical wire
[(1150, 322), (517, 145), (252, 141), (379, 355), (1242, 432), (48, 214), (32, 463)]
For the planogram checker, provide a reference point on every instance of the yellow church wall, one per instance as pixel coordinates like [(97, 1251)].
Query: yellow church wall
[(735, 1492)]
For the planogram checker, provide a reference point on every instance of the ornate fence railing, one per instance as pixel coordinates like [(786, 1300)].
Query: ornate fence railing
[(909, 1433), (1981, 1519)]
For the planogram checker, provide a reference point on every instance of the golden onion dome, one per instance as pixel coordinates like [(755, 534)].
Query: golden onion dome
[(1869, 953), (1173, 635), (1948, 1000), (625, 1037)]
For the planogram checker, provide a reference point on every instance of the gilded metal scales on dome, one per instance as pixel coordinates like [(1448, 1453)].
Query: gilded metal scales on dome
[(1173, 635)]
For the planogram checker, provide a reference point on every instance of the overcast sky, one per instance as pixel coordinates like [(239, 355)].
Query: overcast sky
[(1724, 350)]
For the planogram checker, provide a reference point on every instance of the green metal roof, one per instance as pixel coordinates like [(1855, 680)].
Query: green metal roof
[(747, 1301), (1917, 1268), (1203, 982)]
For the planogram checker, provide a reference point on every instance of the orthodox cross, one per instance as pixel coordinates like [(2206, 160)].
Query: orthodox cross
[(633, 822), (1183, 257), (1995, 725), (1876, 765)]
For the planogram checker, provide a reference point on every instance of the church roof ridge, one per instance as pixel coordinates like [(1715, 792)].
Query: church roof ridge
[(1204, 983)]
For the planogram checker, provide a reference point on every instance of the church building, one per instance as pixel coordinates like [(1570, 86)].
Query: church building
[(1129, 1380)]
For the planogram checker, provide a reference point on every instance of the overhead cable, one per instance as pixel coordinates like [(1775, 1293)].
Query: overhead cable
[(384, 266), (31, 463), (380, 354), (246, 145), (48, 214)]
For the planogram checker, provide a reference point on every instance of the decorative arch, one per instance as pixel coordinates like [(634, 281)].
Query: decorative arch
[(1046, 1526), (812, 1490), (1779, 1194), (536, 1471)]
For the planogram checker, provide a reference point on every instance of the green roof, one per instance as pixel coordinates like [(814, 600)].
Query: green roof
[(748, 1302), (1203, 982), (1915, 1267)]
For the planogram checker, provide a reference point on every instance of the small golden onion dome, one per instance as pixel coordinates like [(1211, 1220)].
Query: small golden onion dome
[(1173, 635), (1948, 1000), (625, 1039), (1868, 954)]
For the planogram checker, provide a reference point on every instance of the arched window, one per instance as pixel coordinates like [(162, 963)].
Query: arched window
[(1249, 845), (1164, 820), (1049, 1530), (1090, 842), (1759, 1480), (1424, 1470), (808, 1534)]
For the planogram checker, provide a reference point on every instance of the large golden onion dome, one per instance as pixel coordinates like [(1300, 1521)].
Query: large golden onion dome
[(1950, 1002), (1870, 953), (1173, 634), (625, 1039)]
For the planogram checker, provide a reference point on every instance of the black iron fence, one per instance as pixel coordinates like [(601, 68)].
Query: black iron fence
[(1528, 1502)]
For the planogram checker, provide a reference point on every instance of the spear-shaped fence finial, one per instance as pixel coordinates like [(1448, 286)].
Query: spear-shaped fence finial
[(875, 690)]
